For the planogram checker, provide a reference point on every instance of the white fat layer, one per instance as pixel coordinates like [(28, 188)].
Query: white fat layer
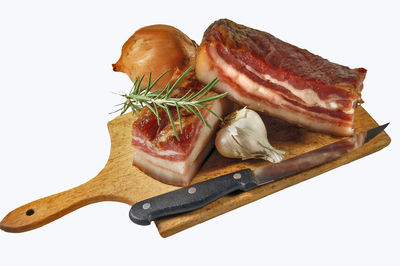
[(206, 71), (180, 172), (156, 167), (309, 96)]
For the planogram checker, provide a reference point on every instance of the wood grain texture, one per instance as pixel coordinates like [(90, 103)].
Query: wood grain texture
[(120, 181)]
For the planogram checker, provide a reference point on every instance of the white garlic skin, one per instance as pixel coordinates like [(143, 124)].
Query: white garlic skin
[(244, 136)]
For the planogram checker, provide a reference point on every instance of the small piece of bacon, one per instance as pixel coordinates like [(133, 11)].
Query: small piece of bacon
[(157, 151)]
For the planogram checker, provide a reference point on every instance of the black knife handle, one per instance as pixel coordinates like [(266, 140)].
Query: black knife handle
[(191, 198)]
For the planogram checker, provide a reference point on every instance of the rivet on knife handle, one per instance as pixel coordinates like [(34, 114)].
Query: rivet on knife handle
[(190, 198)]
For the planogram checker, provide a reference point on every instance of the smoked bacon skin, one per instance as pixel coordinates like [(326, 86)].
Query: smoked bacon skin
[(280, 79)]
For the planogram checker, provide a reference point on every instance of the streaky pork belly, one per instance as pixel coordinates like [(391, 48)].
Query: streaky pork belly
[(272, 76), (157, 151)]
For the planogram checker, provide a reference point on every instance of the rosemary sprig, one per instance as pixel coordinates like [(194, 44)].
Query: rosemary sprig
[(142, 96)]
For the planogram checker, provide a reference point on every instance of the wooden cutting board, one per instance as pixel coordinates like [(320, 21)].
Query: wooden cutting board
[(120, 181)]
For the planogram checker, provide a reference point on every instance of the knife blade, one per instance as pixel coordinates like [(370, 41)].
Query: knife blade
[(203, 193)]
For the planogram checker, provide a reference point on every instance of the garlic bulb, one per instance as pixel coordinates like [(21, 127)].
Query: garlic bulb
[(244, 136)]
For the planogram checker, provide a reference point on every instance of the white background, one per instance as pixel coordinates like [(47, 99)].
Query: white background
[(56, 84)]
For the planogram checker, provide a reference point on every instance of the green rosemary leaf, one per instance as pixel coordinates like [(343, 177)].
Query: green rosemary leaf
[(181, 77), (202, 117), (151, 108), (184, 96), (160, 93), (134, 86), (179, 117), (154, 82), (116, 111), (156, 113), (187, 109), (171, 120), (125, 108), (198, 115), (148, 85), (137, 87), (211, 111), (211, 98), (204, 90), (133, 107), (209, 87)]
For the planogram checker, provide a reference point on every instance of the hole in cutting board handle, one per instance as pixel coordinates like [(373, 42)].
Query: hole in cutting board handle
[(30, 212)]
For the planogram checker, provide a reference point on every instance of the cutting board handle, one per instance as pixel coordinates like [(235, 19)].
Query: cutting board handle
[(48, 209)]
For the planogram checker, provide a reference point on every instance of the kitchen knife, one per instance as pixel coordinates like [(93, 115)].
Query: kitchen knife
[(198, 195)]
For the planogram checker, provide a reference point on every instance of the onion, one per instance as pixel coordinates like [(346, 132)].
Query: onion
[(156, 49), (244, 136)]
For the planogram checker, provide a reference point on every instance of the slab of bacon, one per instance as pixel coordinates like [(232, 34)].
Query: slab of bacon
[(160, 154), (282, 80)]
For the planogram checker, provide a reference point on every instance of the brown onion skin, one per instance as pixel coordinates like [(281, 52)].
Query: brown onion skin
[(156, 49)]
